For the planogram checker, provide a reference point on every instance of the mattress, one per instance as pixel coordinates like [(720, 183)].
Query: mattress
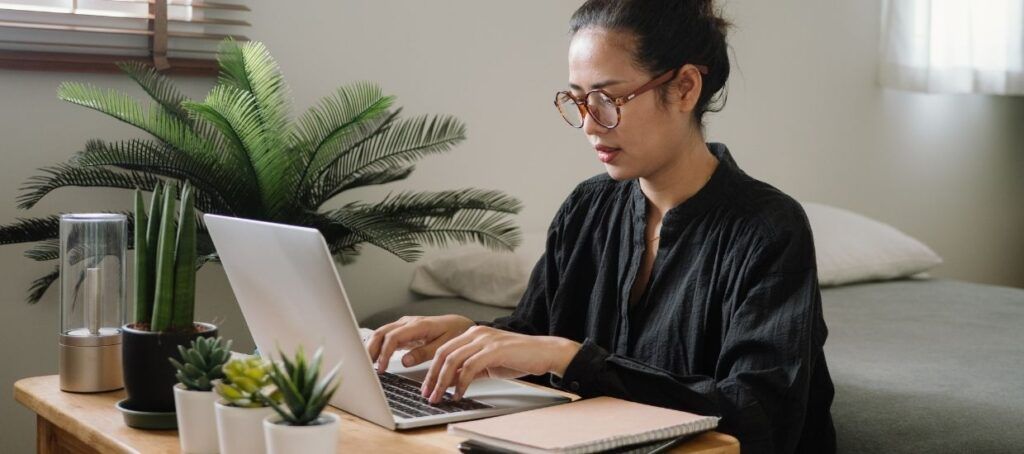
[(926, 366), (918, 365)]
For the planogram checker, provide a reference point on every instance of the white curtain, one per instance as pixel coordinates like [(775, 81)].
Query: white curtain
[(953, 46)]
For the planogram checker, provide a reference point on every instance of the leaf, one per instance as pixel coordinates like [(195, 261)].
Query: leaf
[(401, 143), (220, 189), (33, 229), (39, 286), (64, 175), (158, 86)]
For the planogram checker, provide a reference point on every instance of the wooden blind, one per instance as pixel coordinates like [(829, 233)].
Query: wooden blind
[(178, 36)]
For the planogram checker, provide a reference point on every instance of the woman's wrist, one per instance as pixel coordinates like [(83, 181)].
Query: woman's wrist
[(564, 350)]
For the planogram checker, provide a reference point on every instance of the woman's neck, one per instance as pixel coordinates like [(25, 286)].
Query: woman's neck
[(681, 179)]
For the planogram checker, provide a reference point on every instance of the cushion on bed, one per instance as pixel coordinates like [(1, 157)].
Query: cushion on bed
[(852, 248)]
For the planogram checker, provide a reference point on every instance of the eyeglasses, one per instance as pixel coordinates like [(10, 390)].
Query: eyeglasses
[(605, 109)]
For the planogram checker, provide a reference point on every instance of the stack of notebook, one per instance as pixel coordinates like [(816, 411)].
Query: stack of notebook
[(583, 426)]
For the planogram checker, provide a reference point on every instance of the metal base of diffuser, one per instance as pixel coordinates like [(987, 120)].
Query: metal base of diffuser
[(90, 365)]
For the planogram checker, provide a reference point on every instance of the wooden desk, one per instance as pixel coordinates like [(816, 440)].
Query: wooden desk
[(89, 423)]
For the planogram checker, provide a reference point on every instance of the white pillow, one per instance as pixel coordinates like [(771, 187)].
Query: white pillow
[(479, 274), (853, 248), (850, 248)]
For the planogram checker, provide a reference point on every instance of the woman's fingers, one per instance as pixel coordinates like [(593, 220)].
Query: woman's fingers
[(439, 358), (399, 338), (417, 355), (377, 338), (472, 367), (452, 363)]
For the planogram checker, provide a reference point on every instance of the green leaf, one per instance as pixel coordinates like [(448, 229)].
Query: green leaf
[(185, 263), (64, 175), (163, 299)]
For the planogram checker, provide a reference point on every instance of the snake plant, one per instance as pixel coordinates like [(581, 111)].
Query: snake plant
[(245, 156), (165, 257), (202, 362)]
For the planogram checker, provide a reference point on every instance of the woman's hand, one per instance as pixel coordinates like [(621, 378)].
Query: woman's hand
[(422, 335), (487, 352)]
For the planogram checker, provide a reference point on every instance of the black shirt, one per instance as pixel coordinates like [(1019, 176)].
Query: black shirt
[(730, 322)]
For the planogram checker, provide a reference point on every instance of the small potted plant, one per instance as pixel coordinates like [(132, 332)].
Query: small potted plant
[(165, 276), (200, 365), (245, 390), (300, 424)]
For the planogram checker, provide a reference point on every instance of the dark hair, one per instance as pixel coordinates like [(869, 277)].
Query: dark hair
[(669, 34)]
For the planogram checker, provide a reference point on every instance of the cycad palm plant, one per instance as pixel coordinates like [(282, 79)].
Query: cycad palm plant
[(246, 157)]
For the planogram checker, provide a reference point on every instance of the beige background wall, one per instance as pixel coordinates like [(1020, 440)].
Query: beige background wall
[(804, 113)]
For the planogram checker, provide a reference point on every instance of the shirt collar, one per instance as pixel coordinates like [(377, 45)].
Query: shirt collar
[(712, 193)]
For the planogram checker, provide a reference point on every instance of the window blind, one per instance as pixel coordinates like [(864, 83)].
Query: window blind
[(91, 35)]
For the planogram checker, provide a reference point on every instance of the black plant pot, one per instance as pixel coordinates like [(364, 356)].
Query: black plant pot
[(148, 375)]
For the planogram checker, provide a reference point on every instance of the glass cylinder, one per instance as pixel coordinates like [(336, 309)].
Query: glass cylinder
[(93, 249)]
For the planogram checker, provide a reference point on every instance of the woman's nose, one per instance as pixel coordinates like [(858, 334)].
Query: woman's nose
[(591, 126)]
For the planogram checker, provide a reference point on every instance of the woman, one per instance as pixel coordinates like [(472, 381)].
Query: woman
[(675, 279)]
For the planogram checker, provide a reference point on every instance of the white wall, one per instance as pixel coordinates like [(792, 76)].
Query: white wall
[(804, 113)]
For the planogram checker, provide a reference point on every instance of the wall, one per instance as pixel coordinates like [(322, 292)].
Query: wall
[(804, 113)]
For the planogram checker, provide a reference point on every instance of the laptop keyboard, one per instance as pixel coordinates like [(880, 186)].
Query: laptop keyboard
[(403, 395)]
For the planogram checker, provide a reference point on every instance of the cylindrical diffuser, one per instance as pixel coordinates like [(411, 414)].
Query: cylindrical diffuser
[(93, 248)]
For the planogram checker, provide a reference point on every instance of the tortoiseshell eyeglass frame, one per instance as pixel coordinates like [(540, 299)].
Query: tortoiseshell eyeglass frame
[(584, 106)]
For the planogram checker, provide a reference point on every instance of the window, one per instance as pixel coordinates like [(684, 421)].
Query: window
[(953, 46), (91, 35)]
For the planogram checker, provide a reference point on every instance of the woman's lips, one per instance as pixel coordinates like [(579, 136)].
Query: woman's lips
[(607, 154)]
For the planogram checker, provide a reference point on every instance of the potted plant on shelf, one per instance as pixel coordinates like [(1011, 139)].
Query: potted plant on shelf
[(300, 424), (194, 399), (246, 391), (165, 274)]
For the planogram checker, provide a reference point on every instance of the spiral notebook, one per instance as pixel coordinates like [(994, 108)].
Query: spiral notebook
[(583, 426)]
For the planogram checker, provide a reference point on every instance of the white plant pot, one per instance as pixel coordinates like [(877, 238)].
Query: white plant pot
[(317, 439), (239, 429), (197, 423)]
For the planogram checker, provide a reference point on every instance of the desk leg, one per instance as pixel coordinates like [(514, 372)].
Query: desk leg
[(51, 439)]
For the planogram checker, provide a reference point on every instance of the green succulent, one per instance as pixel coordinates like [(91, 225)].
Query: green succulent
[(247, 383), (303, 396), (202, 362)]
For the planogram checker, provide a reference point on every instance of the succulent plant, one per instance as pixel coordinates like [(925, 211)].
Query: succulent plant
[(202, 362), (247, 383), (303, 396), (165, 259)]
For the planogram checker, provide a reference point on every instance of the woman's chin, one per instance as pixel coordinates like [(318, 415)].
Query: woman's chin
[(619, 173)]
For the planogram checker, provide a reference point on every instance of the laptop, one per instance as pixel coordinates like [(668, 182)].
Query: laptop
[(288, 288)]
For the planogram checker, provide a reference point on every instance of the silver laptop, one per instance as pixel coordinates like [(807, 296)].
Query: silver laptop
[(288, 288)]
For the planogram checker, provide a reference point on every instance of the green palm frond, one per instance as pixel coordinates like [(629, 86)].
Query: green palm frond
[(63, 175), (349, 226), (332, 183), (236, 114), (157, 86), (40, 285), (492, 230), (337, 117), (403, 142), (44, 250), (212, 180), (445, 203), (30, 230)]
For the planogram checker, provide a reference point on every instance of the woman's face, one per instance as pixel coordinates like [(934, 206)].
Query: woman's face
[(650, 135)]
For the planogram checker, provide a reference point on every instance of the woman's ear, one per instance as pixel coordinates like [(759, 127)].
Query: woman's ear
[(688, 85)]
